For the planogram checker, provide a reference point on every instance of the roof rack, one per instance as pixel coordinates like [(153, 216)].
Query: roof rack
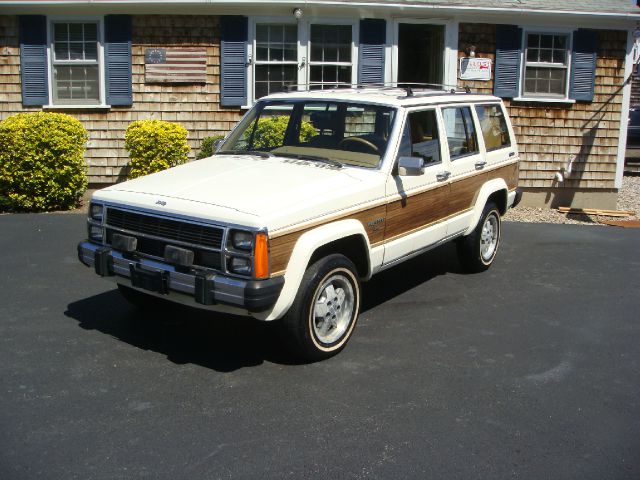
[(411, 89)]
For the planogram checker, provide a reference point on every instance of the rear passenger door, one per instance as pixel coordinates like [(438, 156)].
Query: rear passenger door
[(467, 162)]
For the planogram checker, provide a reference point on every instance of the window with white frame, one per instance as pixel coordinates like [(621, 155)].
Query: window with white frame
[(75, 63), (287, 54), (276, 58), (330, 58), (546, 65)]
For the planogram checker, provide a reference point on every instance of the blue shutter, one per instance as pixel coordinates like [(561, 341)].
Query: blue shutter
[(117, 59), (583, 65), (508, 53), (33, 60), (233, 60), (373, 38)]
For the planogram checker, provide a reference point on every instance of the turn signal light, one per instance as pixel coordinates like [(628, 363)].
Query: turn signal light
[(261, 256)]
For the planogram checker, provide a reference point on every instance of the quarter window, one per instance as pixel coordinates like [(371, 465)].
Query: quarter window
[(493, 126), (546, 65), (75, 63), (461, 132)]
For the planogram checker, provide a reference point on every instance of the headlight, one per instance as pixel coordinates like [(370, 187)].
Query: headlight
[(96, 211), (96, 233), (242, 240), (239, 265)]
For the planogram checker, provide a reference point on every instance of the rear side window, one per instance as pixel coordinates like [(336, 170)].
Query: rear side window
[(461, 132), (493, 126)]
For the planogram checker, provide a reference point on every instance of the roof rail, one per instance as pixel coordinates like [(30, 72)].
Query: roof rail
[(411, 88)]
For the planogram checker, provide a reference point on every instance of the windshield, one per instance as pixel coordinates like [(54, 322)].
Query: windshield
[(341, 133)]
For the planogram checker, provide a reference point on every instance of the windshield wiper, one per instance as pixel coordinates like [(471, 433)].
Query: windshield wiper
[(312, 158), (256, 153)]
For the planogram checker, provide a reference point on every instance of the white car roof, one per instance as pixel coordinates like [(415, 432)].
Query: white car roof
[(396, 97)]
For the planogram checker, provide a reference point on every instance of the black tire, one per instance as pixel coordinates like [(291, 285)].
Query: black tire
[(142, 300), (477, 250), (330, 286)]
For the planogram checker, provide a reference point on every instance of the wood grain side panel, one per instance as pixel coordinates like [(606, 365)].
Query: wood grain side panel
[(465, 191), (416, 211), (398, 218), (373, 220)]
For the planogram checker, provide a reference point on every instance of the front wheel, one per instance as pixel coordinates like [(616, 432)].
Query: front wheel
[(324, 313), (477, 250)]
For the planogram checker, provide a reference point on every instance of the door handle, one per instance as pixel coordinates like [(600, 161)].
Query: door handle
[(480, 165), (442, 176)]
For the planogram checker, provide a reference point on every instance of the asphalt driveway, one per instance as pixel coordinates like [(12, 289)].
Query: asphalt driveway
[(530, 370)]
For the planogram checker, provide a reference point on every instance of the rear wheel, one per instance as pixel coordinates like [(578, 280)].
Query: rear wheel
[(324, 313), (477, 250)]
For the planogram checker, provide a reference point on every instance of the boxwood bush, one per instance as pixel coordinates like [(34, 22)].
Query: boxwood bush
[(207, 146), (270, 132), (155, 145), (41, 162)]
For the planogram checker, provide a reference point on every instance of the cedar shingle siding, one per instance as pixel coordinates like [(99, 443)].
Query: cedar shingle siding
[(196, 107), (549, 133)]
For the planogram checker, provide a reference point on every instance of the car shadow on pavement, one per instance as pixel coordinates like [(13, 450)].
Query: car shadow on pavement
[(407, 275), (224, 342)]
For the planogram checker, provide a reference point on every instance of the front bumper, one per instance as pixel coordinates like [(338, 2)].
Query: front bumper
[(161, 278)]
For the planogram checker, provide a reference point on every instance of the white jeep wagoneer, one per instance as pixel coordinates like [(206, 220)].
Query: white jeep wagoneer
[(312, 193)]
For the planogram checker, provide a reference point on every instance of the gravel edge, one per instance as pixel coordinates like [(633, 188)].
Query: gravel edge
[(628, 199)]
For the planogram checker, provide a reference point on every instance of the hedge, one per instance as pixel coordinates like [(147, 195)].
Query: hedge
[(270, 132), (42, 162), (207, 146), (155, 145)]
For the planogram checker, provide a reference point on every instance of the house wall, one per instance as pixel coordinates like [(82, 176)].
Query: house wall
[(548, 134), (195, 106)]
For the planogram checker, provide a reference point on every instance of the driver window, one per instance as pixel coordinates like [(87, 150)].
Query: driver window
[(420, 137)]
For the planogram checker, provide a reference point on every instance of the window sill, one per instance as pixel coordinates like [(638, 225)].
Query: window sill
[(567, 101), (94, 108)]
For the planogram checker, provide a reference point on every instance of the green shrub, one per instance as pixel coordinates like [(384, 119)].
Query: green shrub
[(207, 146), (155, 145), (270, 132), (41, 161)]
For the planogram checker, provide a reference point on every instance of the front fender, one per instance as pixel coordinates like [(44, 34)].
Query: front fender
[(306, 245), (488, 189)]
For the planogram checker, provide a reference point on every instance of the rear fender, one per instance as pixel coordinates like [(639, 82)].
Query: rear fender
[(488, 189)]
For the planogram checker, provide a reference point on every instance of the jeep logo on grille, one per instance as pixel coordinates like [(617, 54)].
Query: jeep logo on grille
[(161, 202)]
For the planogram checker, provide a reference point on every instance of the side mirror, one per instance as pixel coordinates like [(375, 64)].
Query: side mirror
[(410, 166)]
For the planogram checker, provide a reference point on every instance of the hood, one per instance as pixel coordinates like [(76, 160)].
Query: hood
[(246, 190)]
